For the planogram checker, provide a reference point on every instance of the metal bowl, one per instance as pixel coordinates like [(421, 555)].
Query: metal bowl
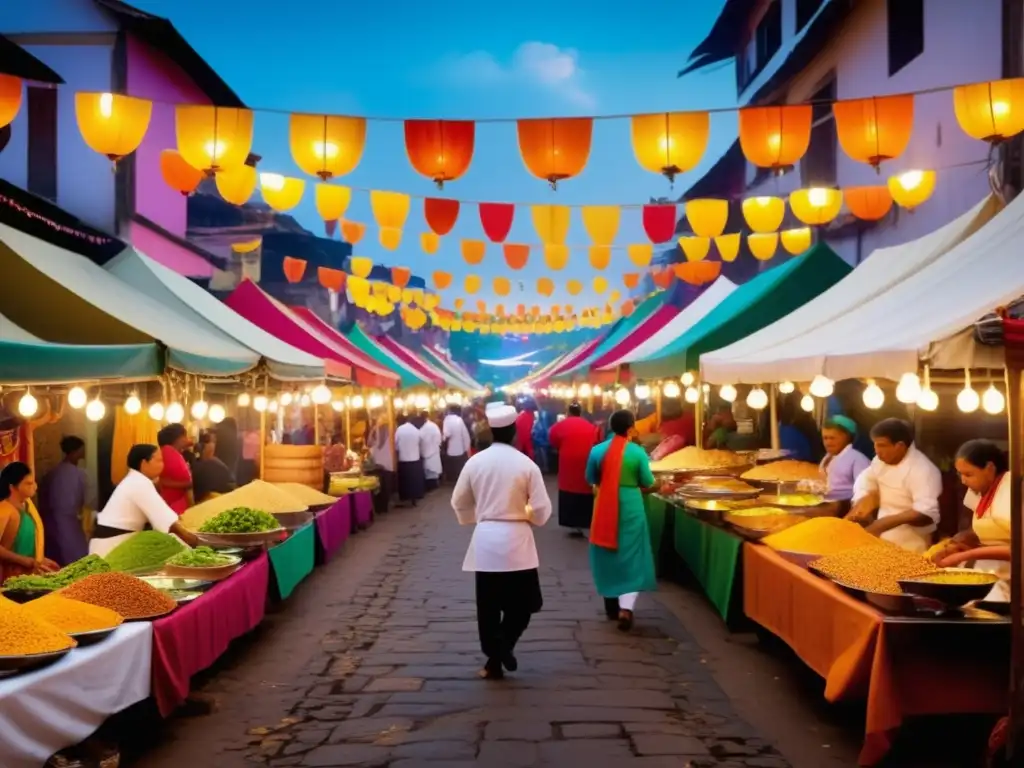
[(774, 500), (189, 582), (25, 662), (956, 595), (803, 559), (92, 637), (704, 493), (257, 539), (202, 575)]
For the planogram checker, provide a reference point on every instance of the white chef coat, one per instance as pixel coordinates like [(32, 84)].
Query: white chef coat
[(382, 455), (134, 504), (407, 442), (457, 435), (430, 447), (993, 530), (913, 484), (502, 491)]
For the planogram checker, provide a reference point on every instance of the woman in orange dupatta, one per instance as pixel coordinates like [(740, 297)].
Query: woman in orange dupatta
[(621, 559)]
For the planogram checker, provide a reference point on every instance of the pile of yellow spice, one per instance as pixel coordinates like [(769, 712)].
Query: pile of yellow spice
[(821, 536), (22, 634)]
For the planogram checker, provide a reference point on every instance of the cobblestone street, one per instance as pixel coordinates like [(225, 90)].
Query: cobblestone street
[(382, 672)]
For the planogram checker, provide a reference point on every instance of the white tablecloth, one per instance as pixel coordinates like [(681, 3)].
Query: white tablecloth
[(45, 711)]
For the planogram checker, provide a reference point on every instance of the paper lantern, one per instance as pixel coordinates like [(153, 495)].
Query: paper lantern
[(775, 137), (796, 241), (390, 209), (471, 284), (400, 276), (429, 242), (640, 254), (441, 214), (875, 129), (670, 143), (10, 98), (213, 138), (728, 246), (112, 124), (178, 174), (912, 188), (247, 246), (458, 303), (330, 227), (695, 248), (389, 238), (332, 201), (601, 223), (516, 255), (441, 150), (868, 203), (431, 301), (545, 287), (573, 287), (352, 231), (442, 280), (236, 184), (502, 286), (556, 256), (816, 206), (699, 272), (764, 214), (293, 269), (663, 278), (763, 245), (473, 251), (554, 149), (600, 284), (551, 222), (992, 111), (659, 222), (331, 279), (631, 280), (496, 220), (627, 308), (327, 145), (614, 295), (600, 256), (707, 218), (360, 266), (281, 192)]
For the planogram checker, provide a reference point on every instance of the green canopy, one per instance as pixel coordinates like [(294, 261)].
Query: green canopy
[(369, 347), (755, 304)]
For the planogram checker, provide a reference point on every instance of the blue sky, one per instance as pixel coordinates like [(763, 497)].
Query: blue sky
[(460, 59)]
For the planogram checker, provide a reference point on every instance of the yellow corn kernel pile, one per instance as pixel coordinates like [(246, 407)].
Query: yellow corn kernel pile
[(877, 567)]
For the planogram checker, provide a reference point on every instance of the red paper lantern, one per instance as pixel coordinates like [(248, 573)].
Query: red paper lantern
[(293, 269), (331, 279), (400, 276), (659, 222), (441, 214), (440, 149), (496, 219)]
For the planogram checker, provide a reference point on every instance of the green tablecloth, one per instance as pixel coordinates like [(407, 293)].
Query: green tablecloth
[(712, 555), (293, 560), (656, 509)]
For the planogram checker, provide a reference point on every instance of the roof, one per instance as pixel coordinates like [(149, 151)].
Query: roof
[(369, 346), (15, 60), (160, 34), (724, 38)]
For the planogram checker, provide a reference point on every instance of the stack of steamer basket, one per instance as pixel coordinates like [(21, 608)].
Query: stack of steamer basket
[(294, 464)]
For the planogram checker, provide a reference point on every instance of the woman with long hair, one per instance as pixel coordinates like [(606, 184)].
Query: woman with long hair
[(21, 530)]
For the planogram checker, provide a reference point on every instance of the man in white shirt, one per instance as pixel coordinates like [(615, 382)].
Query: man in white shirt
[(457, 442), (430, 450), (411, 480), (897, 496), (136, 505), (501, 490)]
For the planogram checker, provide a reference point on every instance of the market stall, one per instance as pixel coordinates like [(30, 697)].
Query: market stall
[(333, 528)]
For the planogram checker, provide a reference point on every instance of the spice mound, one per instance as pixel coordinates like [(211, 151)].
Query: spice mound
[(22, 634), (73, 616), (241, 520), (820, 536), (144, 550), (69, 574), (874, 568), (304, 494), (693, 458), (200, 557), (127, 595), (786, 471), (255, 495)]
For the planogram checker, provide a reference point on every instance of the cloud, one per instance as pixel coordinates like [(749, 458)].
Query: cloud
[(534, 64)]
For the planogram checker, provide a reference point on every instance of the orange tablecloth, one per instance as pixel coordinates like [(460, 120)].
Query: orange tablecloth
[(901, 667)]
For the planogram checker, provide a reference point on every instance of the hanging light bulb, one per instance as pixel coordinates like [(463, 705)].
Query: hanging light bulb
[(873, 396), (585, 390), (199, 409), (305, 401), (687, 379), (376, 401), (286, 399), (357, 401), (132, 404), (321, 394), (597, 390), (273, 406), (570, 393), (993, 401), (175, 413), (671, 389), (692, 395), (807, 403), (787, 387), (622, 396), (727, 392), (244, 400), (77, 398), (28, 405), (757, 399), (217, 413), (642, 391), (909, 388), (967, 400), (822, 386), (156, 411), (95, 410), (422, 402), (338, 405), (399, 403), (927, 400), (259, 403)]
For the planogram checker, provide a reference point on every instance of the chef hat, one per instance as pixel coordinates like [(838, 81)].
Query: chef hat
[(496, 404), (501, 416)]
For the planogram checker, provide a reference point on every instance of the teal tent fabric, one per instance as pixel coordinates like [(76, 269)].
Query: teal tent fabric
[(370, 348), (43, 363)]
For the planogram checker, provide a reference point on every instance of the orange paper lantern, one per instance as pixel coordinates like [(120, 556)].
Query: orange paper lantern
[(699, 272), (556, 256), (775, 137), (112, 124), (10, 98), (400, 276), (600, 256), (875, 129), (213, 138), (441, 150), (361, 267), (516, 255), (331, 279), (502, 286), (178, 174), (868, 203), (554, 149), (574, 287), (293, 269), (389, 238), (429, 242), (473, 251), (545, 287), (663, 277), (471, 284), (631, 280), (352, 232), (992, 112), (442, 280)]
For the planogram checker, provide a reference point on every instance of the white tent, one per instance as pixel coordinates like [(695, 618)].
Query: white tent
[(885, 333)]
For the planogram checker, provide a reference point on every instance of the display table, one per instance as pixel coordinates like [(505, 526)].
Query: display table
[(50, 709), (333, 526), (902, 666), (293, 559), (657, 509), (194, 636), (362, 508), (712, 554)]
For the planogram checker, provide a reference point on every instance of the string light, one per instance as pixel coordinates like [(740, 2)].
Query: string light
[(376, 401), (807, 403), (28, 405), (671, 389), (217, 413), (199, 409), (993, 401), (77, 398), (967, 400), (787, 387), (95, 410), (928, 400), (338, 405), (728, 393), (687, 379), (132, 405), (585, 390), (273, 406), (622, 396), (156, 411), (757, 399), (822, 386), (692, 395), (286, 399), (244, 400), (873, 396), (642, 391), (259, 403), (175, 413), (321, 394), (909, 388)]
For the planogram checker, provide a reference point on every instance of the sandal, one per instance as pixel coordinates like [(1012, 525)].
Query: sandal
[(625, 620)]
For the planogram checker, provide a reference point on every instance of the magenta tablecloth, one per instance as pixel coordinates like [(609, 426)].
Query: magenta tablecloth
[(194, 636), (333, 526), (362, 508)]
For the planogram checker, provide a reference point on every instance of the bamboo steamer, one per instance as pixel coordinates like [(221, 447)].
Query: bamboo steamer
[(276, 450), (294, 464)]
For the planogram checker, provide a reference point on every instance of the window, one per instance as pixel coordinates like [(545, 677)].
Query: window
[(818, 167), (42, 142), (769, 34), (906, 32), (805, 10)]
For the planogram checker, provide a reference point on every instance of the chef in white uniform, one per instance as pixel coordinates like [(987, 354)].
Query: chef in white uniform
[(430, 450), (411, 480), (897, 496), (502, 491)]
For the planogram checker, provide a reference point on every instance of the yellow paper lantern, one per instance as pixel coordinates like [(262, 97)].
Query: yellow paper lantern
[(993, 111), (764, 214), (281, 192), (874, 129), (796, 241), (728, 246), (10, 98), (332, 201), (551, 223), (473, 251), (112, 124), (430, 242), (614, 295), (213, 138), (247, 246), (640, 254), (670, 143), (912, 188), (327, 145), (545, 286), (695, 248), (601, 223), (600, 256), (556, 256), (431, 301), (707, 217), (390, 238), (502, 286), (237, 184), (817, 205), (392, 292), (471, 284), (574, 287), (390, 209), (600, 284), (763, 245), (360, 266)]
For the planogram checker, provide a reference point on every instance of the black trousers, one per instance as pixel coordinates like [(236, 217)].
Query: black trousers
[(505, 601)]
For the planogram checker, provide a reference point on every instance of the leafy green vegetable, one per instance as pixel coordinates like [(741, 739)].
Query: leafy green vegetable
[(240, 520), (146, 549), (69, 574), (200, 557)]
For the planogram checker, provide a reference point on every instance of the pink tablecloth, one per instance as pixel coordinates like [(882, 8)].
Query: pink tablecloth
[(333, 526), (194, 636), (362, 508)]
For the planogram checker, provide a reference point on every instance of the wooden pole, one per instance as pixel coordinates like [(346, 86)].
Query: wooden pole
[(391, 431), (773, 415), (698, 412), (657, 404), (263, 430), (348, 423), (316, 424), (1015, 424)]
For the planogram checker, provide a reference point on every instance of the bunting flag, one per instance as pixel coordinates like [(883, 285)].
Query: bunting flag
[(659, 222), (496, 220), (516, 255), (441, 214)]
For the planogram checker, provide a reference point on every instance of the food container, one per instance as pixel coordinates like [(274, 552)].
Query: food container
[(713, 510), (956, 595), (28, 661), (689, 475), (92, 637), (201, 575), (169, 582), (789, 501), (803, 559), (756, 527), (257, 539)]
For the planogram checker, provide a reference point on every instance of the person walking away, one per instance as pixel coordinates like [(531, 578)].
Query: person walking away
[(524, 431), (22, 543), (457, 443), (62, 493), (411, 480), (380, 451), (621, 559), (502, 492), (176, 479), (210, 476), (430, 450), (573, 437)]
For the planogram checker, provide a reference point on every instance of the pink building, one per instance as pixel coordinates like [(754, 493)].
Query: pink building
[(108, 46)]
